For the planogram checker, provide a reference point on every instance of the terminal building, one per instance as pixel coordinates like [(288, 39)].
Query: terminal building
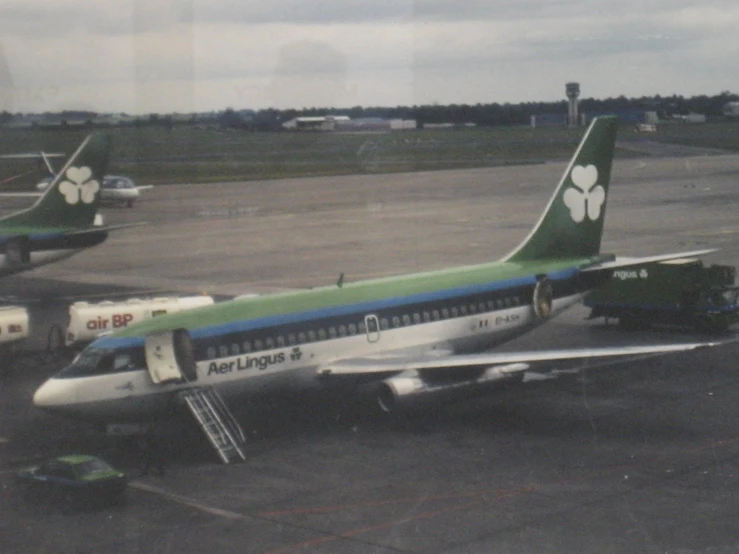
[(343, 123)]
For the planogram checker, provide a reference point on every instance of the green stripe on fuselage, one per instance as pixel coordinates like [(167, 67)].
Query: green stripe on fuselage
[(350, 293)]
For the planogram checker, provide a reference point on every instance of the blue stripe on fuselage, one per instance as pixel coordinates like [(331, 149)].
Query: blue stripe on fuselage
[(344, 309)]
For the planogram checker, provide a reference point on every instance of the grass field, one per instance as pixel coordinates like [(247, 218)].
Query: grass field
[(187, 154)]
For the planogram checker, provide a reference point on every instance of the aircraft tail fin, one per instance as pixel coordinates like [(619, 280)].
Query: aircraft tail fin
[(72, 198), (572, 224)]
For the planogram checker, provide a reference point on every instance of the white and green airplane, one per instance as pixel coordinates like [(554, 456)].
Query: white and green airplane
[(423, 336), (63, 220)]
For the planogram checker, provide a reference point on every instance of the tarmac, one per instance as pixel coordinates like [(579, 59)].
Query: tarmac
[(639, 456)]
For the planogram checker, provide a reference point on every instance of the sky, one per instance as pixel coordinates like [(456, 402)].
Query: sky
[(164, 56)]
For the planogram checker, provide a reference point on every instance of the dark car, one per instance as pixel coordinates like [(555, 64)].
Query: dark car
[(76, 478)]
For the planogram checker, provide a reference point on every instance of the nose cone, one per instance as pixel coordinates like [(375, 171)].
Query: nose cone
[(53, 394)]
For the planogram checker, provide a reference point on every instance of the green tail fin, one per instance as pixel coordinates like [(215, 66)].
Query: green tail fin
[(72, 199), (572, 224)]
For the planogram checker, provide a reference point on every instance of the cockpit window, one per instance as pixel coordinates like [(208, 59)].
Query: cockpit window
[(99, 361)]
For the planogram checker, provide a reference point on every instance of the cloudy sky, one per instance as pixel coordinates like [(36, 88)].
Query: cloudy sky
[(141, 56)]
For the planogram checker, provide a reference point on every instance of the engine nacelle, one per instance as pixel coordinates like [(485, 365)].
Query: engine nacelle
[(410, 390)]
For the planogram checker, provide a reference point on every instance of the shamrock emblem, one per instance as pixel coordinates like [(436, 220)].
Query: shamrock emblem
[(296, 354), (586, 197), (79, 186)]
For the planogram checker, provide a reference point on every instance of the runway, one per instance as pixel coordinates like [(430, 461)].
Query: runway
[(637, 457)]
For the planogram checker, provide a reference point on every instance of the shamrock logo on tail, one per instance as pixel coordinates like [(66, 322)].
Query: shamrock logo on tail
[(586, 197), (79, 186)]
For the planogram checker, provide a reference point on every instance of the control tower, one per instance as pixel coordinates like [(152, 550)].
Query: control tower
[(573, 92)]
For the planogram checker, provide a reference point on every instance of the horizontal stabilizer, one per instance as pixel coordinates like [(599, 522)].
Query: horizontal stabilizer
[(623, 261)]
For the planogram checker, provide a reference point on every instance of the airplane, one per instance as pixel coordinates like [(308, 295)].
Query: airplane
[(116, 188), (423, 337), (64, 220)]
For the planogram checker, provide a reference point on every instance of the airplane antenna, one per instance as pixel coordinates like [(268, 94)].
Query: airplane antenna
[(340, 282)]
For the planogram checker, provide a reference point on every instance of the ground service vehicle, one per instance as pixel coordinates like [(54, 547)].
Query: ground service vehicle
[(79, 479), (680, 292), (88, 320)]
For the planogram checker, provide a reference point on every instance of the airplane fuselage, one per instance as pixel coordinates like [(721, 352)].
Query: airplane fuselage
[(21, 252), (264, 347)]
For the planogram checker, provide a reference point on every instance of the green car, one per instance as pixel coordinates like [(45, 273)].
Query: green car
[(75, 478)]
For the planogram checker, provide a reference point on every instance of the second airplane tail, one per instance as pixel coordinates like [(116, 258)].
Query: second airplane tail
[(72, 199), (572, 224)]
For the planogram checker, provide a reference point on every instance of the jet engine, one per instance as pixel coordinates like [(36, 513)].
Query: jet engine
[(410, 390)]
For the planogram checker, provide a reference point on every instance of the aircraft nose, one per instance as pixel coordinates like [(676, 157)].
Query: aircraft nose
[(52, 394)]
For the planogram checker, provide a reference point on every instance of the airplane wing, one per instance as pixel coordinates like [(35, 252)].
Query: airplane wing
[(623, 261), (98, 228), (45, 156), (21, 194), (145, 187), (518, 361)]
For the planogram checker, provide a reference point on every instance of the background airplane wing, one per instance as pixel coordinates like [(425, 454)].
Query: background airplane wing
[(98, 228), (21, 194), (518, 361)]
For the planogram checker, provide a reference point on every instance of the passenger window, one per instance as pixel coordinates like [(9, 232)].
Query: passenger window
[(342, 330), (481, 307), (454, 311), (322, 334), (362, 327), (435, 315), (406, 320), (223, 350), (311, 336), (416, 318), (426, 317), (332, 332), (246, 347), (211, 352), (234, 349), (280, 341), (291, 340), (473, 309), (301, 338), (257, 345), (269, 343), (445, 313), (384, 324), (463, 310), (352, 329)]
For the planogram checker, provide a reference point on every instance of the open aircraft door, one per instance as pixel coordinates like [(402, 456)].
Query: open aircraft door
[(170, 357)]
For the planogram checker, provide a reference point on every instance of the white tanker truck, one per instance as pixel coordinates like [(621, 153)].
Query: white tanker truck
[(88, 320)]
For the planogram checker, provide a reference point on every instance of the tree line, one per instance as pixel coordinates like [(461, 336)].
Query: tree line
[(483, 115), (495, 114)]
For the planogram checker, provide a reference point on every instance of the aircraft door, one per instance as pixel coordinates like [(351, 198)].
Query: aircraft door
[(170, 357), (372, 325), (18, 251), (543, 297)]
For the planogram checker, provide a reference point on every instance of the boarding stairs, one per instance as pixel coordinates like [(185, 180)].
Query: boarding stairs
[(217, 421)]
